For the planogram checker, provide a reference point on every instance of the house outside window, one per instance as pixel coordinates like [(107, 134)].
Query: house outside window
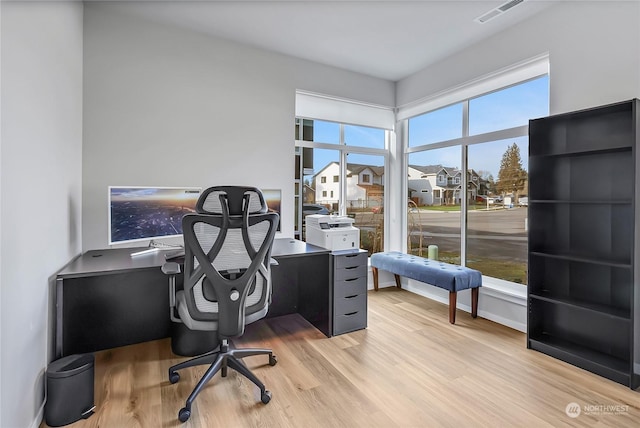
[(336, 178), (324, 193), (366, 178), (323, 180), (494, 238)]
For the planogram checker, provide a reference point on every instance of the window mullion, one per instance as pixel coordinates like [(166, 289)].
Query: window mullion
[(463, 185), (342, 195)]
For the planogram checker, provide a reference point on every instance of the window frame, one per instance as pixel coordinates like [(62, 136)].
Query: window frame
[(464, 142), (343, 150)]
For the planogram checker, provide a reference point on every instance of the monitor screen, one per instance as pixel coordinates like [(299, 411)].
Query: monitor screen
[(145, 213)]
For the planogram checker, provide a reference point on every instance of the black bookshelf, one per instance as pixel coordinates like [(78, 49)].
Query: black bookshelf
[(583, 293)]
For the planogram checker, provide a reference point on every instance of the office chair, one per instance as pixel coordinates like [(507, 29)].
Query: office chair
[(227, 282)]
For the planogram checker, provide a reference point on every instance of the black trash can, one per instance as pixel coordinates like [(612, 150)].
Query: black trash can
[(69, 390)]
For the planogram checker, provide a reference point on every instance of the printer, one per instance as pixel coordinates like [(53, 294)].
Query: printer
[(332, 232)]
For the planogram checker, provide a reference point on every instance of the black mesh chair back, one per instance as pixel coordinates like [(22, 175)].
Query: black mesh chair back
[(235, 199), (227, 270)]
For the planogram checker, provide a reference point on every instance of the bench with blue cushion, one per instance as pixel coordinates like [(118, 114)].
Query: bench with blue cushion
[(444, 275)]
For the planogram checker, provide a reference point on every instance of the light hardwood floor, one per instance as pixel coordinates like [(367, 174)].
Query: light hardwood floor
[(409, 368)]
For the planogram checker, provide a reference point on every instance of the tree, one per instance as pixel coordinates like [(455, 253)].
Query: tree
[(511, 177)]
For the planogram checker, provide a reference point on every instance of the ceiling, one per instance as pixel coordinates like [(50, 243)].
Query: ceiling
[(386, 39)]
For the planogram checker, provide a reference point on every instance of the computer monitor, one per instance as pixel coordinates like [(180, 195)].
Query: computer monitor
[(147, 213)]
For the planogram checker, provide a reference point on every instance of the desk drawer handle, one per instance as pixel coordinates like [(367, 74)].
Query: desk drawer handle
[(351, 297), (352, 267), (350, 314), (351, 279), (352, 255)]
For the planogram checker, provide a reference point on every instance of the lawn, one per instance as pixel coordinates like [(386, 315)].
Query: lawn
[(503, 269)]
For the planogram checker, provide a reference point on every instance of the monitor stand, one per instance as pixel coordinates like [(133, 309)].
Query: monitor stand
[(154, 247)]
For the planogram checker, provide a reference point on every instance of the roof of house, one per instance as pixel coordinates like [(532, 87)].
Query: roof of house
[(427, 169), (355, 168)]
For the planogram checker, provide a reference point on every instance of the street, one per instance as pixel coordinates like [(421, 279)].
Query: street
[(499, 234)]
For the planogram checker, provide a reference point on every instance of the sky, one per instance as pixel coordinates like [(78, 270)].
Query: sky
[(503, 109)]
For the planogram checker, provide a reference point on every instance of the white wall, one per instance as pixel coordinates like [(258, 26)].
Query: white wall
[(594, 54), (1, 211), (41, 127), (593, 50), (166, 106)]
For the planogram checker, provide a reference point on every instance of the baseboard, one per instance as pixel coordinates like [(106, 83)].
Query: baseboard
[(522, 327), (39, 416), (511, 303)]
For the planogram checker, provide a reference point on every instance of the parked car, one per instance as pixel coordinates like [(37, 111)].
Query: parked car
[(524, 201), (485, 199), (314, 209)]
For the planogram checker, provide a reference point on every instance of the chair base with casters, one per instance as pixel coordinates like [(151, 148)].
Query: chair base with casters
[(227, 356)]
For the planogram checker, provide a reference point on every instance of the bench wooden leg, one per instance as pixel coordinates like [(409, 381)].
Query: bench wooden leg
[(398, 283), (474, 301), (452, 306), (374, 270)]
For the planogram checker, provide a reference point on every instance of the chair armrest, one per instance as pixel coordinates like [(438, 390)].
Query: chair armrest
[(273, 262), (171, 268)]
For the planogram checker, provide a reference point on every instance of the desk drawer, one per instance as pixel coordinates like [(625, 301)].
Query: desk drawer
[(350, 287), (350, 273), (351, 260), (347, 305), (351, 322)]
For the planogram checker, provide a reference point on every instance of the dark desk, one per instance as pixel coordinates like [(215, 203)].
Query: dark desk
[(106, 298)]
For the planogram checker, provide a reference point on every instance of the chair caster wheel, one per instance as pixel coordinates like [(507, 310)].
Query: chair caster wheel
[(266, 397), (174, 377), (272, 360), (184, 414)]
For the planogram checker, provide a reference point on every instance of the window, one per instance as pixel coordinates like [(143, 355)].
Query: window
[(360, 154), (509, 107), (496, 232), (365, 203), (325, 132), (364, 136), (427, 225), (485, 225), (439, 125)]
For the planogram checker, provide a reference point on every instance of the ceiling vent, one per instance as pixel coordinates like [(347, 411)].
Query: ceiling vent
[(497, 11)]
